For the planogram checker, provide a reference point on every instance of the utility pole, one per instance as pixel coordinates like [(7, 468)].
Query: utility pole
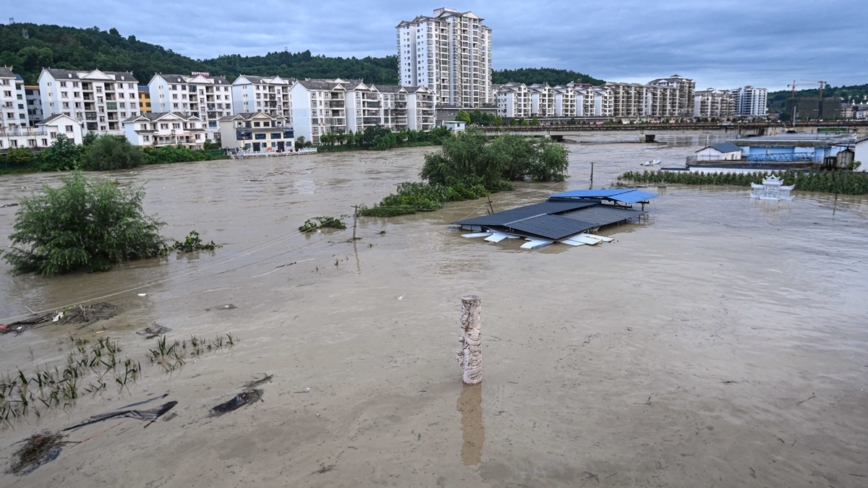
[(355, 217), (592, 176)]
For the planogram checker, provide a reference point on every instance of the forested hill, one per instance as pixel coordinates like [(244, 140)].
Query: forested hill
[(856, 93), (30, 47), (551, 76)]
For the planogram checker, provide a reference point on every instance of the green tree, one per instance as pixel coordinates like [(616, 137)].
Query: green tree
[(62, 155), (19, 156), (111, 152), (462, 116), (82, 225)]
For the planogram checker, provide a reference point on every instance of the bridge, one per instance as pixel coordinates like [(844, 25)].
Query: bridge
[(739, 129)]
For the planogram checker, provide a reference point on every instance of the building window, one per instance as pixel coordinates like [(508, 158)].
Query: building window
[(164, 126), (69, 128), (146, 138)]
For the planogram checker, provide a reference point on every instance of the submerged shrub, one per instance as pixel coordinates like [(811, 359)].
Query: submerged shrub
[(109, 152), (82, 225)]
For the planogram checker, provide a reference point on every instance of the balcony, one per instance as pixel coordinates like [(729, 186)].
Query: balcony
[(370, 120), (23, 131), (338, 104)]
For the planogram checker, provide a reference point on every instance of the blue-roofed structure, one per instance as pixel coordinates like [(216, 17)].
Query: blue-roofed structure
[(563, 215), (625, 196)]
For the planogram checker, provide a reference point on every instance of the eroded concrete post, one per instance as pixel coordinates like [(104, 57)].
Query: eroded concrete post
[(470, 355)]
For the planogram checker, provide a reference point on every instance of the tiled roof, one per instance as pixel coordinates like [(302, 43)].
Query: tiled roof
[(6, 72), (67, 74)]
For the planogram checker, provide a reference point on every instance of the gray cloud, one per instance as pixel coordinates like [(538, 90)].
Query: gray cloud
[(723, 44)]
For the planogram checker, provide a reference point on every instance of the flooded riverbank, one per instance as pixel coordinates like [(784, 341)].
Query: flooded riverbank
[(721, 341)]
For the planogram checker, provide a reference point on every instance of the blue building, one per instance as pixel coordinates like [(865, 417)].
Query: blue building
[(794, 147)]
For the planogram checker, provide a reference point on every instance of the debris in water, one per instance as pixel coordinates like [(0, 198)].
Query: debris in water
[(228, 306), (9, 205), (155, 330), (143, 294), (244, 398), (79, 314), (152, 415), (37, 450), (253, 384)]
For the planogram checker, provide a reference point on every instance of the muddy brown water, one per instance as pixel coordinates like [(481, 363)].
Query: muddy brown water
[(719, 342)]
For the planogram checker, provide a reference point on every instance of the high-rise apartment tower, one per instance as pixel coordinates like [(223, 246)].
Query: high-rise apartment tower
[(450, 53)]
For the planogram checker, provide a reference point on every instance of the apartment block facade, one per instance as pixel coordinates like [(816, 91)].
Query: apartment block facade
[(516, 100), (13, 103), (100, 100), (207, 97), (43, 135), (513, 100), (144, 99), (257, 132), (34, 103), (267, 94), (679, 99), (449, 53), (714, 103), (158, 129), (542, 100), (751, 102)]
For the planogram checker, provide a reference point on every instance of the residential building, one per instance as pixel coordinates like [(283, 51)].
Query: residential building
[(795, 147), (394, 108), (751, 102), (714, 103), (13, 106), (199, 94), (267, 94), (542, 100), (564, 101), (157, 129), (592, 101), (98, 99), (144, 99), (628, 100), (681, 101), (34, 104), (42, 135), (363, 107), (860, 112), (257, 131), (513, 100), (320, 107), (449, 53), (421, 106)]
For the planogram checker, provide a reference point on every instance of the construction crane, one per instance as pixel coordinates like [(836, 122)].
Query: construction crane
[(793, 86), (822, 85)]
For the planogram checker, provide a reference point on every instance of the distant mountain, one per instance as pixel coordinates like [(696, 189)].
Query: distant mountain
[(551, 76), (30, 47), (856, 93)]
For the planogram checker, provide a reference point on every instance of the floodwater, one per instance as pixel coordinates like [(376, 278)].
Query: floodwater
[(719, 342)]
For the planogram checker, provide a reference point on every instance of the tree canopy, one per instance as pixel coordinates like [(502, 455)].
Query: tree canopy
[(552, 76)]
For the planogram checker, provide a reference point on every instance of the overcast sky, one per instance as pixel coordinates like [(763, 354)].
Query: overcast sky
[(720, 43)]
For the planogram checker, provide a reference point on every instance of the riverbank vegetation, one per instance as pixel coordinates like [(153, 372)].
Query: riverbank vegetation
[(379, 138), (98, 153), (87, 226), (843, 182), (471, 165)]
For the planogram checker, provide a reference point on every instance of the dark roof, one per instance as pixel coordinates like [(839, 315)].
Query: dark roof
[(171, 78), (530, 211), (6, 72), (725, 147), (67, 74), (53, 117), (603, 215), (322, 84), (552, 227)]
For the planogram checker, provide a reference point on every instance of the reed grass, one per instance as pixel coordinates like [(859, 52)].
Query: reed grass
[(840, 181)]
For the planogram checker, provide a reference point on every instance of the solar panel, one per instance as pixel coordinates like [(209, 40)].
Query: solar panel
[(521, 213), (552, 227)]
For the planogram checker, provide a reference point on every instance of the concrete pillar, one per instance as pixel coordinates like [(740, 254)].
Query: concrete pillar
[(470, 355)]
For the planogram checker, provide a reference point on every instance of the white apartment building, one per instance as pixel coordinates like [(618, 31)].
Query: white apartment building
[(714, 103), (34, 103), (593, 101), (421, 104), (319, 107), (100, 100), (751, 102), (565, 101), (207, 97), (449, 53), (682, 104), (395, 110), (513, 100), (157, 129), (363, 108), (267, 94), (12, 100), (542, 100), (43, 135), (256, 132)]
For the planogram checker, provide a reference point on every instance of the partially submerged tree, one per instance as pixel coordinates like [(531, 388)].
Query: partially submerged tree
[(109, 152), (82, 225)]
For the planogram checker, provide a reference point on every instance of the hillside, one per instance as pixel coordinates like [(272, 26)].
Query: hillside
[(551, 76), (856, 93), (30, 47), (73, 48)]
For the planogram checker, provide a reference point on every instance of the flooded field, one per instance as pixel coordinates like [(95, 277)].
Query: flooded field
[(719, 342)]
